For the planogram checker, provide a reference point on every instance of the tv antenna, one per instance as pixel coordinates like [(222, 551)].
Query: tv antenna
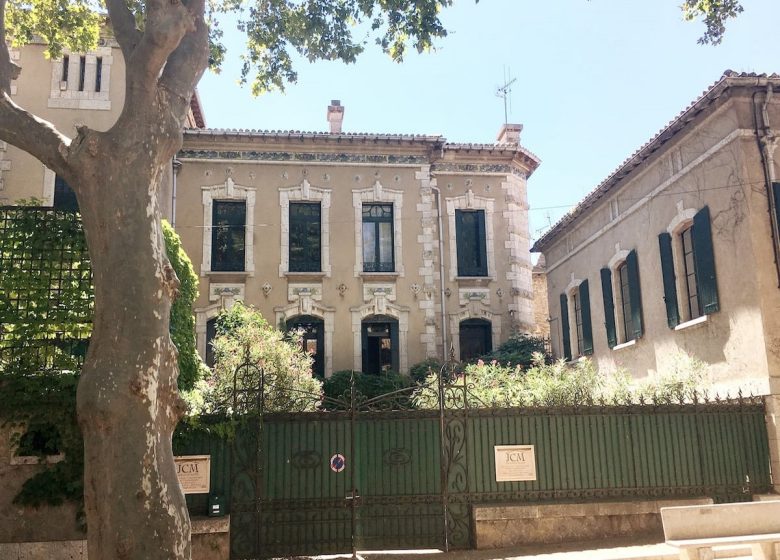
[(504, 91)]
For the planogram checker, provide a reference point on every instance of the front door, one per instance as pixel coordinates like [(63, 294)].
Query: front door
[(311, 330), (380, 345)]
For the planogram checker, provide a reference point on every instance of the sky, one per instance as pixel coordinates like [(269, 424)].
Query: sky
[(594, 80)]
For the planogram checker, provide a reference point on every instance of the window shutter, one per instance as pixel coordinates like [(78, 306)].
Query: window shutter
[(460, 243), (705, 262), (670, 285), (587, 329), (609, 306), (776, 193), (635, 293), (565, 328), (481, 242)]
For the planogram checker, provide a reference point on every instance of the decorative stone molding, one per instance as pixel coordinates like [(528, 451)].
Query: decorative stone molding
[(428, 241), (66, 94), (296, 292), (220, 290), (474, 309), (470, 201), (467, 295), (517, 245), (293, 157), (305, 193), (202, 316), (306, 305), (371, 291), (378, 194), (228, 191), (379, 305)]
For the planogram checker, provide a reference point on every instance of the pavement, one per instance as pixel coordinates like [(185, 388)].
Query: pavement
[(607, 549)]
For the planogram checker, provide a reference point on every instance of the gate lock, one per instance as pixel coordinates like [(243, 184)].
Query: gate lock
[(353, 496)]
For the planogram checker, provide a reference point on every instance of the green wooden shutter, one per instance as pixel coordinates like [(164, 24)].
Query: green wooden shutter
[(609, 306), (670, 285), (705, 262), (634, 293), (460, 243), (587, 327), (481, 243), (776, 193), (565, 328)]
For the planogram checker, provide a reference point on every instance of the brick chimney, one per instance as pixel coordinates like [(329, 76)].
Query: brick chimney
[(509, 134), (335, 116)]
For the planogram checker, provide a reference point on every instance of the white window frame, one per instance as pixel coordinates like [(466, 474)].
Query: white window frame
[(617, 260), (470, 201), (574, 343), (231, 192), (681, 222), (305, 193), (378, 195), (66, 95)]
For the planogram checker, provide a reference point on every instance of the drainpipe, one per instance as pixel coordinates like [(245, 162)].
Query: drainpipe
[(176, 167), (765, 139), (441, 278)]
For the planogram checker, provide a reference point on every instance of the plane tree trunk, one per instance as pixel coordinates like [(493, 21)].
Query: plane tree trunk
[(128, 402)]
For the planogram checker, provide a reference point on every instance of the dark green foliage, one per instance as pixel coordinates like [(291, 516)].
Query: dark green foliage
[(418, 372), (42, 410), (46, 306), (368, 386), (519, 350), (182, 320)]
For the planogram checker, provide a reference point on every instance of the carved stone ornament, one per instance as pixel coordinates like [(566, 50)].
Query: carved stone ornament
[(415, 288), (500, 293), (266, 289), (342, 288), (447, 292)]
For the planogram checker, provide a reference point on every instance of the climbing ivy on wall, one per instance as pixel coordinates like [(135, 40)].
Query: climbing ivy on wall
[(46, 308)]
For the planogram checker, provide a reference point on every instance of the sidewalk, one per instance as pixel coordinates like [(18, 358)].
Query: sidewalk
[(607, 549)]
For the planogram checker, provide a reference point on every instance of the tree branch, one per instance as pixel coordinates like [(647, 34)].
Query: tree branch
[(123, 24), (8, 70), (33, 135), (188, 62), (167, 22)]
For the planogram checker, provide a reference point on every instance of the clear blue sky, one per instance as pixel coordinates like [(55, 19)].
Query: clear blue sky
[(595, 80)]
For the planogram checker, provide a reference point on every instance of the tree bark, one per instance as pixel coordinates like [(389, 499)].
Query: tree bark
[(128, 402)]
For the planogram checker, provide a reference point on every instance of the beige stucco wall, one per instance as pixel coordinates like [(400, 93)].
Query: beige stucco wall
[(24, 176), (716, 164), (345, 172)]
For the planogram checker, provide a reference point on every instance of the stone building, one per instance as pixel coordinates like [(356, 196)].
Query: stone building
[(383, 249), (677, 249)]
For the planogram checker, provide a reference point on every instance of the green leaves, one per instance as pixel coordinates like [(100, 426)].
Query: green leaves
[(62, 24), (715, 13)]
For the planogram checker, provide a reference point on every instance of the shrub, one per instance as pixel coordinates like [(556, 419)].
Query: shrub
[(518, 350), (420, 371), (244, 336), (337, 386)]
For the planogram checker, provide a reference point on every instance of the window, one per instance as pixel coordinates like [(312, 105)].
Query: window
[(577, 326), (305, 237), (228, 233), (380, 345), (65, 68), (378, 238), (688, 268), (98, 73), (627, 323), (475, 339), (470, 241), (211, 334), (64, 197), (82, 71), (312, 331)]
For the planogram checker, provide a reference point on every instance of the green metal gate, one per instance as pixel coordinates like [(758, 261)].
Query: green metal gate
[(409, 478)]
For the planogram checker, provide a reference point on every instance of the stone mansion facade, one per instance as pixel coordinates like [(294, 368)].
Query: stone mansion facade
[(382, 249)]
